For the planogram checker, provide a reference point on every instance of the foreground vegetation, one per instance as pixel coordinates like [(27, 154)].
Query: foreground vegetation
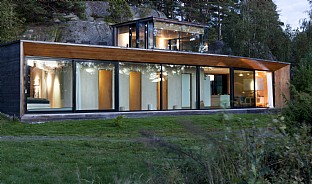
[(221, 148)]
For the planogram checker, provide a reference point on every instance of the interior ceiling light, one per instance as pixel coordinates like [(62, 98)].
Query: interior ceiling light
[(241, 75)]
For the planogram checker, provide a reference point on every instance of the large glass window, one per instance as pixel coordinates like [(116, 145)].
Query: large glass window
[(142, 35), (49, 84), (171, 36), (95, 85), (138, 86), (163, 35), (150, 35), (264, 89), (123, 36), (178, 87), (214, 87), (244, 90)]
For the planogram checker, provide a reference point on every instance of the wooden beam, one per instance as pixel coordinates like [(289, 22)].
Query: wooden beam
[(76, 51)]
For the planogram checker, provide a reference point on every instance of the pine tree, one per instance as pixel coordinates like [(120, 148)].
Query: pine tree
[(254, 30)]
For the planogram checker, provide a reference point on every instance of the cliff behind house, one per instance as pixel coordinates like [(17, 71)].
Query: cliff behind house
[(91, 28)]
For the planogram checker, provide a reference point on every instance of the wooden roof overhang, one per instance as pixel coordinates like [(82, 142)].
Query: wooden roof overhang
[(95, 52)]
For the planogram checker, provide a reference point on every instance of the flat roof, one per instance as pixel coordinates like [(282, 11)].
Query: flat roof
[(114, 53), (173, 21)]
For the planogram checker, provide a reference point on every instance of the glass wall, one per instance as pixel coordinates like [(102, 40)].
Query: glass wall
[(244, 88), (264, 89), (142, 35), (142, 86), (214, 88), (95, 86), (163, 35), (133, 36), (178, 87), (150, 35), (49, 84), (123, 36), (179, 37), (138, 86)]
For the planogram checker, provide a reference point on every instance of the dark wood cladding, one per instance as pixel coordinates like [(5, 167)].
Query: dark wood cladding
[(281, 87), (146, 56)]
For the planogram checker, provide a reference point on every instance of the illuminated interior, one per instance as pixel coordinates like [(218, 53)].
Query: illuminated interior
[(244, 88), (123, 36), (264, 90), (163, 35), (215, 88), (141, 86), (49, 84)]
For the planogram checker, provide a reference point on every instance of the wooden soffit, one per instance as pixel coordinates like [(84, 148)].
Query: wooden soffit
[(92, 52)]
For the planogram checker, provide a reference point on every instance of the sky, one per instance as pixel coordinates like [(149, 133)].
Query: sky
[(292, 11)]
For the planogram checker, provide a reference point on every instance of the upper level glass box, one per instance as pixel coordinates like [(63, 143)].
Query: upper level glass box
[(165, 34)]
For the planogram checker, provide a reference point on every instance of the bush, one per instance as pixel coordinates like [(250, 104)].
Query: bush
[(298, 110), (118, 122), (299, 107), (268, 155)]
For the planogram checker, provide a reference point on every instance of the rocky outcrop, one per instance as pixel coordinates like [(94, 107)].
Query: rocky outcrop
[(92, 30), (87, 32)]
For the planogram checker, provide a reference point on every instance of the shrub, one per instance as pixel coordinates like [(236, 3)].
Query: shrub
[(118, 122), (268, 155), (299, 107)]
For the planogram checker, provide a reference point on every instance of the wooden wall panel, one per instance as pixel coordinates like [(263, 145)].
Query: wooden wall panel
[(135, 91), (105, 89), (282, 79), (77, 51)]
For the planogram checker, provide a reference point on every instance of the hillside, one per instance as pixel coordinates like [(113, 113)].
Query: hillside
[(92, 28)]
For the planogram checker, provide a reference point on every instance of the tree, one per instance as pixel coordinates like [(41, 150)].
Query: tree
[(9, 22), (302, 41), (252, 29), (119, 11), (299, 107)]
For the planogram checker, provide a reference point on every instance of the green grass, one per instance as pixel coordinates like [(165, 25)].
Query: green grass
[(97, 151)]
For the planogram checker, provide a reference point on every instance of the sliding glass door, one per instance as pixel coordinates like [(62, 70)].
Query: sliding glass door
[(264, 89), (95, 86), (244, 88)]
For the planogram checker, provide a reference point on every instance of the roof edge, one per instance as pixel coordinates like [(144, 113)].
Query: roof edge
[(153, 50)]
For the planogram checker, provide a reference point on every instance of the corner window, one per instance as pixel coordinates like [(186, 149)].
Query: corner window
[(49, 84)]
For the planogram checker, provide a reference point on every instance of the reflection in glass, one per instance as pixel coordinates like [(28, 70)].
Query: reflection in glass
[(94, 85), (142, 35), (138, 86), (214, 87), (163, 35), (244, 90), (179, 87), (49, 84), (133, 36), (171, 36), (150, 37)]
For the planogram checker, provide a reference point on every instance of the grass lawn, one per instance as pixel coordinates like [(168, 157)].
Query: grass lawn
[(96, 151)]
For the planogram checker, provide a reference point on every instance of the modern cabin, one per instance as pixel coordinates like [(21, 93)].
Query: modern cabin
[(156, 65)]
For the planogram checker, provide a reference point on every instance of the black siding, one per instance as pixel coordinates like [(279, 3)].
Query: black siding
[(10, 79)]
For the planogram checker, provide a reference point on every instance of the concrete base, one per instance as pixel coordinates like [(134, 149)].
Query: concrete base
[(33, 118)]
